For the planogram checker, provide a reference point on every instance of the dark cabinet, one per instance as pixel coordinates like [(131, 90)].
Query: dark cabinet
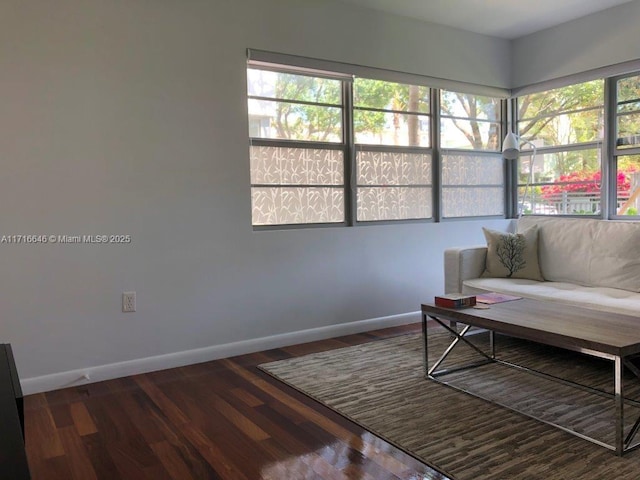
[(13, 458)]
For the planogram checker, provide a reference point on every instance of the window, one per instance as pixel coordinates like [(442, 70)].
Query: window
[(473, 179), (627, 146), (297, 152), (334, 149), (391, 124), (567, 127)]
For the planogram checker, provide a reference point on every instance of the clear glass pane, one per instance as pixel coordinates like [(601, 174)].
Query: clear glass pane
[(370, 93), (559, 100), (628, 90), (296, 166), (295, 205), (469, 134), (293, 121), (563, 183), (393, 203), (579, 198), (472, 170), (393, 168), (630, 106), (628, 185), (472, 201), (386, 128), (565, 129), (628, 130), (289, 86), (453, 104)]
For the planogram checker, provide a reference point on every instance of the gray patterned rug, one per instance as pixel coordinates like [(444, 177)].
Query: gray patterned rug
[(381, 386)]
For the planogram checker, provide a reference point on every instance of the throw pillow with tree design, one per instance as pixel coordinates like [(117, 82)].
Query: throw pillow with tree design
[(512, 255)]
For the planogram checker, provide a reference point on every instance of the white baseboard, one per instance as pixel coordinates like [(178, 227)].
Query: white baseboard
[(82, 376)]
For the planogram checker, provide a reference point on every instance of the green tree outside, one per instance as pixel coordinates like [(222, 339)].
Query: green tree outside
[(309, 108)]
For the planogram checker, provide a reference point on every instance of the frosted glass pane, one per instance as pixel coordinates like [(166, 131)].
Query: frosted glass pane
[(393, 203), (472, 202), (472, 170), (393, 168), (294, 205), (296, 166)]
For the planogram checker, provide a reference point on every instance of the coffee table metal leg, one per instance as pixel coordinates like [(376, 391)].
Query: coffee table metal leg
[(432, 372), (492, 343), (619, 400), (425, 345), (636, 426)]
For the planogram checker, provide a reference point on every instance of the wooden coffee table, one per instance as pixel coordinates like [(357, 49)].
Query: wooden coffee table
[(611, 336)]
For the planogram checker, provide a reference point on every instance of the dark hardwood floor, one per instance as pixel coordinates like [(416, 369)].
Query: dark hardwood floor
[(223, 419)]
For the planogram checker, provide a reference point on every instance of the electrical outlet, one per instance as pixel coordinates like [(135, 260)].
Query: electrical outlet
[(129, 302)]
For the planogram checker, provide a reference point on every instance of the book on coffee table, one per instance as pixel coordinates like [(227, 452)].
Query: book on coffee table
[(495, 297), (455, 300)]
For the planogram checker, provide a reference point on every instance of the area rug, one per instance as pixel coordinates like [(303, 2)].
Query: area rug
[(381, 386)]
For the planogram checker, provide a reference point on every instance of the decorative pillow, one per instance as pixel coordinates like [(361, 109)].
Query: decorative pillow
[(512, 255)]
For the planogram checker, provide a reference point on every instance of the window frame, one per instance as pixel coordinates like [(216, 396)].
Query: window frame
[(610, 150), (384, 148), (527, 151), (350, 148), (615, 150), (443, 151), (390, 149), (304, 144)]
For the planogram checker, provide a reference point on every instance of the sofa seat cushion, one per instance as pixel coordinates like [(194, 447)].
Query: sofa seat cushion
[(597, 298)]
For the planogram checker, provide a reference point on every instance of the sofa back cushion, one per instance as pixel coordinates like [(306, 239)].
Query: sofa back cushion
[(595, 253)]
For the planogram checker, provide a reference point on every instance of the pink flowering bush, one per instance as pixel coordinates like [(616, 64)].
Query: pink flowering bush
[(586, 182)]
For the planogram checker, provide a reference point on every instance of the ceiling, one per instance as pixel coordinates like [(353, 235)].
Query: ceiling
[(499, 18)]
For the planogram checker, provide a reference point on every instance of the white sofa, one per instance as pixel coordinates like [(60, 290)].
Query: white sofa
[(586, 262)]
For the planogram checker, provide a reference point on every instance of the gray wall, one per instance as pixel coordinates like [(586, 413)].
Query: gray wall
[(598, 40), (129, 117)]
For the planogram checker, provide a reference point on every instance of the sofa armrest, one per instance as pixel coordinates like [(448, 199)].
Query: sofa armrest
[(462, 263)]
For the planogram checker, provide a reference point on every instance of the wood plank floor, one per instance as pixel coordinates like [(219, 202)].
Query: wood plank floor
[(223, 419)]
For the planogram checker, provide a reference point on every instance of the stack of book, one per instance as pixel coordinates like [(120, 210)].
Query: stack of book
[(455, 300)]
